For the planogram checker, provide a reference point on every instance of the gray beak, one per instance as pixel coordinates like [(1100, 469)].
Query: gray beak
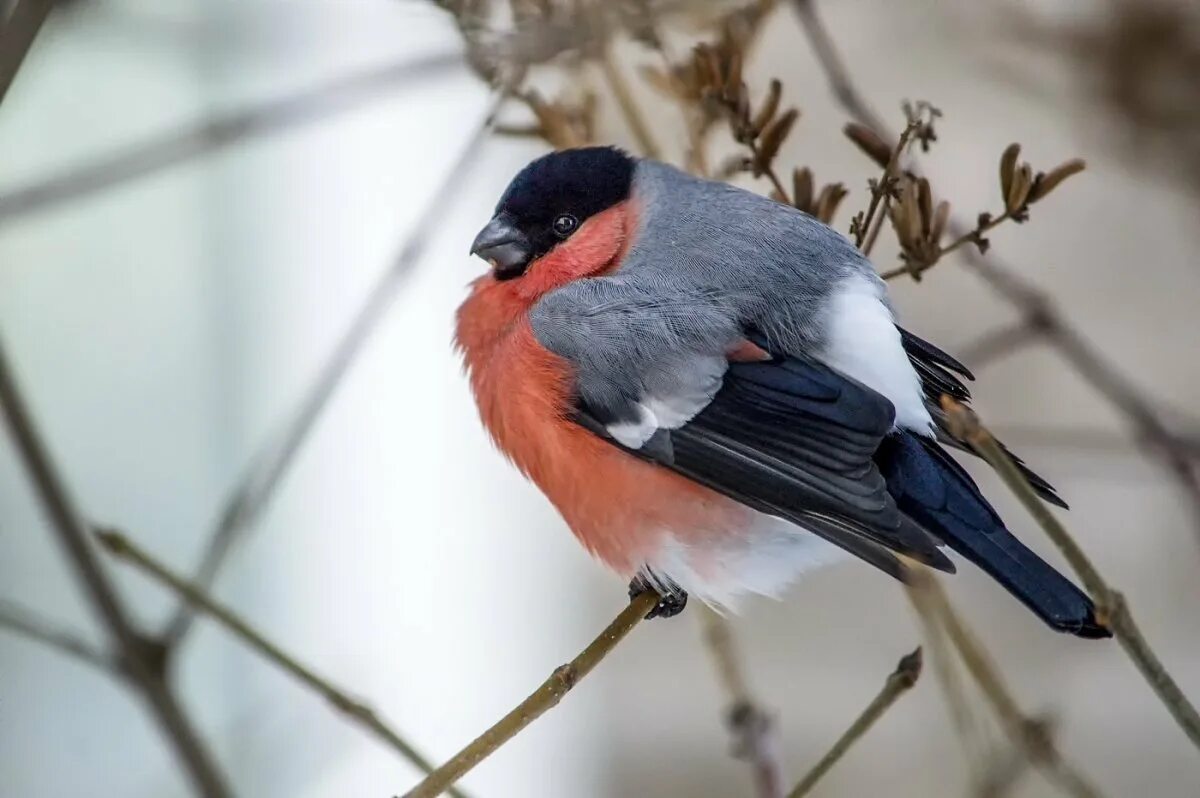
[(502, 244)]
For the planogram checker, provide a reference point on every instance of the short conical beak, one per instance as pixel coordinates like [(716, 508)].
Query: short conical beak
[(502, 244)]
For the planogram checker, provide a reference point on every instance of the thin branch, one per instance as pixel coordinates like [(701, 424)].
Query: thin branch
[(898, 682), (1030, 735), (559, 683), (136, 653), (27, 623), (128, 552), (835, 69), (882, 189), (1034, 305), (754, 731), (629, 108), (1110, 603), (170, 149), (20, 29), (997, 343), (272, 460)]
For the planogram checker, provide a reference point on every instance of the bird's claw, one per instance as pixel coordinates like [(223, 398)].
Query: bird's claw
[(670, 603)]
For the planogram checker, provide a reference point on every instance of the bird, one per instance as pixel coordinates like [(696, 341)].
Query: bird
[(712, 389)]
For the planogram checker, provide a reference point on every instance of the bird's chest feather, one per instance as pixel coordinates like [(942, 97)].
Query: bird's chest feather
[(619, 507)]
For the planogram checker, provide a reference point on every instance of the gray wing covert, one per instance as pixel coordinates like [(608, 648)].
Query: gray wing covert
[(644, 359)]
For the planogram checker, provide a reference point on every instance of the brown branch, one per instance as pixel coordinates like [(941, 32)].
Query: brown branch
[(1033, 304), (753, 730), (970, 236), (1111, 603), (20, 29), (128, 552), (137, 655), (170, 149), (1030, 735), (271, 462), (898, 682), (546, 697), (27, 623)]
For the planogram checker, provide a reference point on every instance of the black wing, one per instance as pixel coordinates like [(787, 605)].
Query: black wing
[(796, 440), (940, 373)]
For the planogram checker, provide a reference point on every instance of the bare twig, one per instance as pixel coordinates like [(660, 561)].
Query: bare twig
[(997, 343), (898, 682), (125, 550), (27, 623), (1110, 603), (20, 29), (1029, 734), (1036, 308), (753, 729), (546, 697), (137, 654), (269, 464), (629, 108), (171, 149)]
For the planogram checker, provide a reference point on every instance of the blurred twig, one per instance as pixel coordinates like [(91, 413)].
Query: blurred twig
[(1111, 605), (125, 550), (1037, 310), (17, 35), (546, 697), (272, 460), (898, 682), (754, 732), (171, 149), (1029, 734), (27, 623), (138, 655), (629, 108)]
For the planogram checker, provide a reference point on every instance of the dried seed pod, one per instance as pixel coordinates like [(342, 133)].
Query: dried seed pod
[(1022, 182), (938, 226), (925, 203), (869, 142), (827, 202), (770, 106), (661, 81), (1008, 164), (733, 77), (802, 188), (1046, 183), (772, 138)]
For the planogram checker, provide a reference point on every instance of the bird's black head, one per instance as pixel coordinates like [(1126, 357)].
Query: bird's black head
[(549, 200)]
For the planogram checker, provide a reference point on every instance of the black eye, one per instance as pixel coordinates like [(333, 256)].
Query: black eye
[(564, 225)]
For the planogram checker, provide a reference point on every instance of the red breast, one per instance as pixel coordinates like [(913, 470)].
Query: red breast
[(617, 505)]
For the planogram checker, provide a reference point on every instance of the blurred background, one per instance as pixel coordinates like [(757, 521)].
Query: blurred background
[(165, 327)]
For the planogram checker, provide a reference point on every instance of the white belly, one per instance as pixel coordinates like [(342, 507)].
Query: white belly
[(764, 559)]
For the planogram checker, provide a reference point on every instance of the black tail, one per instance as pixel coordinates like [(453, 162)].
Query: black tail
[(935, 491)]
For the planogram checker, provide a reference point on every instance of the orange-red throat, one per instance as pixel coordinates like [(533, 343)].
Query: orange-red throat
[(617, 505)]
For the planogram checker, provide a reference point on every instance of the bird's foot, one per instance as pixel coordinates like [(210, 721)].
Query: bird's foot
[(669, 604)]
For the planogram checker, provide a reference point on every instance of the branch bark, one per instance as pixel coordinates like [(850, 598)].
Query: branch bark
[(898, 682), (27, 623), (1110, 603), (21, 28), (546, 697), (137, 653), (753, 730), (171, 149), (125, 550)]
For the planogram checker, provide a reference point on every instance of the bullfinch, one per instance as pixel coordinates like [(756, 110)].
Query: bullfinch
[(711, 388)]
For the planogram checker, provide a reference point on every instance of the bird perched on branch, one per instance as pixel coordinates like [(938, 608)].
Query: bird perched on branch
[(712, 390)]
